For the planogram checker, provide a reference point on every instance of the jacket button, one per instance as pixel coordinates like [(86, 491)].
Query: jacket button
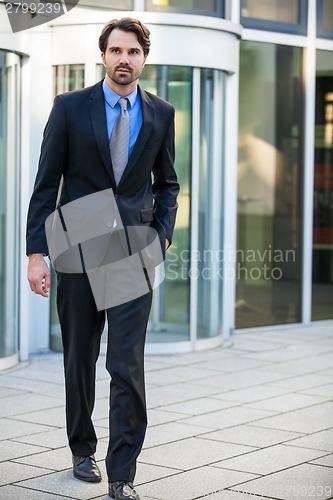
[(109, 223)]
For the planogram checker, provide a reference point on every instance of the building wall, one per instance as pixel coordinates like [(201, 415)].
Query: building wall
[(263, 206)]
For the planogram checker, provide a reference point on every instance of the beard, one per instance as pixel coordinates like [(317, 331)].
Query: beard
[(122, 78)]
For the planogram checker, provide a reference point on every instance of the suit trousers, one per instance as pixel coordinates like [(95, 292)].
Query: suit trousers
[(81, 327)]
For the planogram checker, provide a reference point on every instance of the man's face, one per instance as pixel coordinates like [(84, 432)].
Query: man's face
[(123, 59)]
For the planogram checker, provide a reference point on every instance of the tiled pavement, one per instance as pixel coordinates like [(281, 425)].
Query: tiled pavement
[(251, 420)]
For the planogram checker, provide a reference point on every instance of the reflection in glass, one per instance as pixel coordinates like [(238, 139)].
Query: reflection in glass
[(210, 246), (206, 7), (322, 277), (108, 4), (170, 312), (9, 185), (328, 14), (68, 77), (282, 11), (268, 267)]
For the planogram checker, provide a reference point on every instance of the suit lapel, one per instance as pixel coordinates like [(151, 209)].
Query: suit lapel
[(147, 124), (98, 120)]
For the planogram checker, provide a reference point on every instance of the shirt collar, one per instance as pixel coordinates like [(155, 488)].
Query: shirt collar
[(112, 97)]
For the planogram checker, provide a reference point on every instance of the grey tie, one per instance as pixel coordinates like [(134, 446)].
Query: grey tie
[(119, 141)]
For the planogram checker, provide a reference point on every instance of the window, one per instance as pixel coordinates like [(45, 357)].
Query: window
[(275, 15), (68, 77), (203, 7), (9, 196), (105, 4), (322, 274), (269, 246), (170, 315), (325, 18)]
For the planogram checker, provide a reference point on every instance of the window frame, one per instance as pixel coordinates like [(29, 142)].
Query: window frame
[(321, 31), (219, 12), (299, 28)]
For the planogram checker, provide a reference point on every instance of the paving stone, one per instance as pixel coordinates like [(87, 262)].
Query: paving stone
[(24, 403), (176, 375), (160, 416), (178, 393), (10, 472), (302, 382), (47, 389), (52, 417), (324, 390), (192, 484), (327, 461), (11, 449), (64, 484), (287, 402), (251, 435), (302, 482), (13, 429), (200, 406), (228, 417), (232, 364), (307, 420), (49, 438), (59, 459), (270, 460), (172, 431), (318, 441), (6, 391), (190, 453), (146, 473), (241, 380), (15, 492), (249, 394), (229, 495)]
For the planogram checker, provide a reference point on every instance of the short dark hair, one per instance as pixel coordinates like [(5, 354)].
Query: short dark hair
[(126, 24)]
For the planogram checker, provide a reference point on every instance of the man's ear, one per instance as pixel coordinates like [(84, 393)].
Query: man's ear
[(103, 57)]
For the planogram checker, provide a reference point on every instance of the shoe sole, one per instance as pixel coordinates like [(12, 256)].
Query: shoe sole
[(87, 479)]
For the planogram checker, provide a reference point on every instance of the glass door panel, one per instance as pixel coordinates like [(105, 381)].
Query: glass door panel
[(322, 272), (269, 249), (169, 321), (9, 196)]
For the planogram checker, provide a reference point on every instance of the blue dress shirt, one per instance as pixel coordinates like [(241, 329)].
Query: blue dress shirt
[(112, 109)]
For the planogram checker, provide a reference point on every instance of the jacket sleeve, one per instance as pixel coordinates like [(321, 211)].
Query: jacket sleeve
[(50, 169), (165, 185)]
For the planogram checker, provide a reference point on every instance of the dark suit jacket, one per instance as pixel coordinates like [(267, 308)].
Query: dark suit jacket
[(75, 145)]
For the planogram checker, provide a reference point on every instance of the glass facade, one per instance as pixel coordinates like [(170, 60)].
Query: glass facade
[(107, 4), (269, 185), (204, 7), (169, 319), (282, 11), (170, 316), (209, 256), (322, 274), (328, 15), (66, 77), (9, 200), (275, 15)]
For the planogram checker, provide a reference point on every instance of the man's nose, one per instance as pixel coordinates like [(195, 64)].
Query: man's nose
[(124, 58)]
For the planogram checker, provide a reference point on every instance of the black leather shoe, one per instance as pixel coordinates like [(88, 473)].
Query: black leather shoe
[(122, 490), (86, 469)]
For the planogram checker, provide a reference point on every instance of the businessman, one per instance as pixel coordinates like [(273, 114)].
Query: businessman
[(79, 145)]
